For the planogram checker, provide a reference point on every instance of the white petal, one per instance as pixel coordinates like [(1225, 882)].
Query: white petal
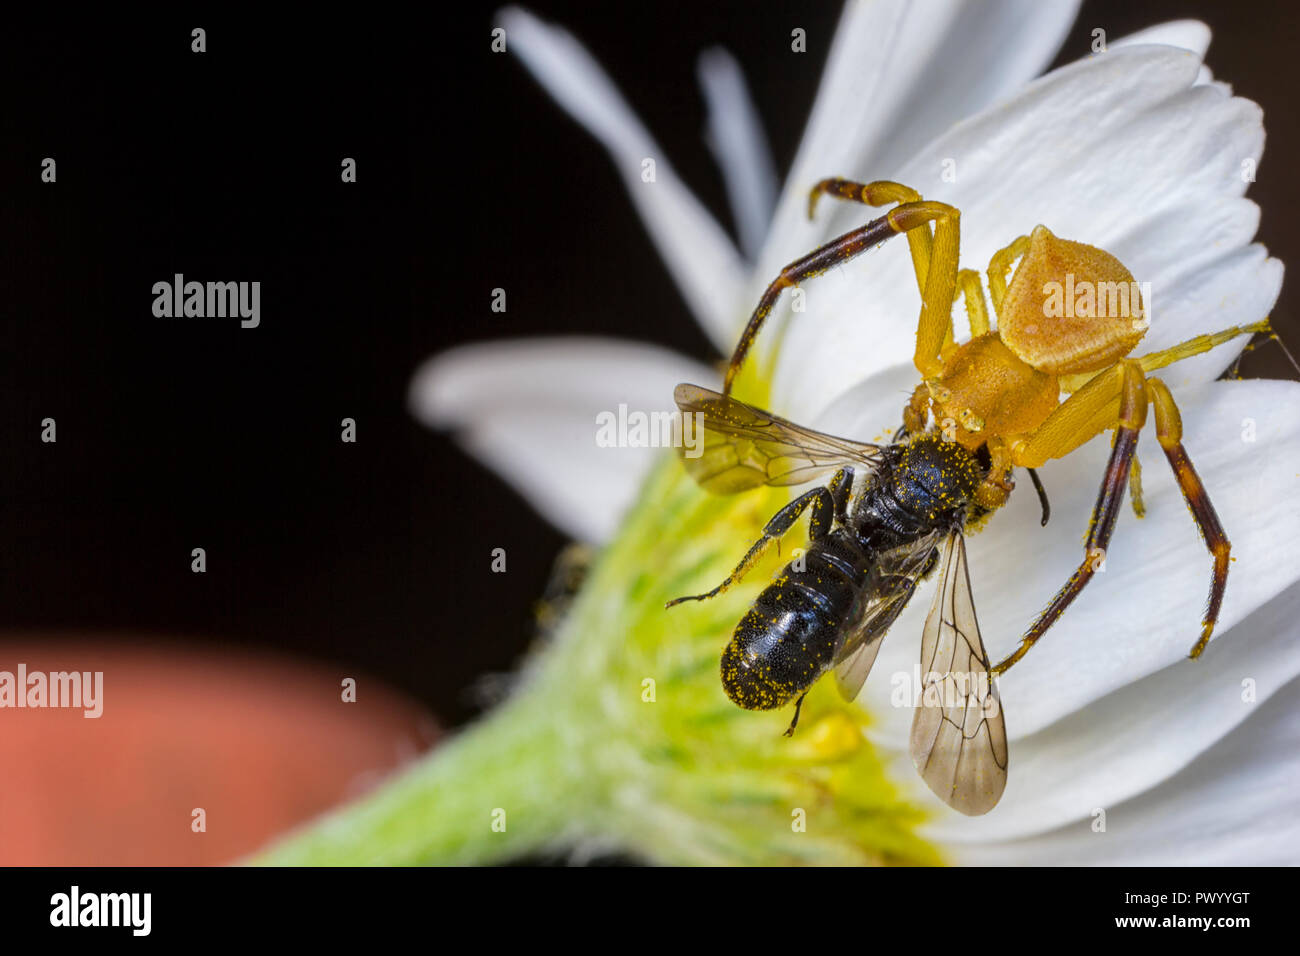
[(527, 408), (1139, 736), (899, 73), (700, 256), (875, 59), (1191, 35), (1188, 34), (871, 411), (735, 134), (1238, 288), (1157, 151), (1142, 613), (1237, 805)]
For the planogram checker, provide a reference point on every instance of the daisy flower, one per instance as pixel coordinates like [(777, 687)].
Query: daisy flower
[(1122, 751)]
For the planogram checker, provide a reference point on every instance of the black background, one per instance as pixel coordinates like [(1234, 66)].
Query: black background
[(306, 905), (175, 434)]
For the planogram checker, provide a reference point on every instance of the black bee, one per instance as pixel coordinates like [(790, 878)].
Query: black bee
[(890, 515)]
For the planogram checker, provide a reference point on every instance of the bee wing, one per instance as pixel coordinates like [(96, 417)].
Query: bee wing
[(900, 570), (744, 447), (851, 673), (959, 739)]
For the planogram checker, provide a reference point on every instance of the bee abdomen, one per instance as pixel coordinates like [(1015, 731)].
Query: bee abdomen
[(787, 639)]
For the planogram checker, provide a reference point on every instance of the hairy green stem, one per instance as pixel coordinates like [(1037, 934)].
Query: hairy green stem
[(499, 790)]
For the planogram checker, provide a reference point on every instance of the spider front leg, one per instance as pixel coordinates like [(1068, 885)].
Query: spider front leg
[(1000, 268), (827, 504), (940, 280), (880, 193), (1132, 416), (977, 312), (1169, 431), (1072, 424)]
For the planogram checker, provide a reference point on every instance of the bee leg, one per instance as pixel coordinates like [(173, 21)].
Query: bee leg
[(1132, 416), (823, 504), (798, 704), (1169, 430), (841, 489)]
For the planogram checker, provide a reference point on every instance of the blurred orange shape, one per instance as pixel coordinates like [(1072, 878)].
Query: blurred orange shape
[(258, 743)]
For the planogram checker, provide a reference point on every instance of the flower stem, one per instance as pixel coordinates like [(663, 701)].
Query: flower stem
[(499, 790)]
